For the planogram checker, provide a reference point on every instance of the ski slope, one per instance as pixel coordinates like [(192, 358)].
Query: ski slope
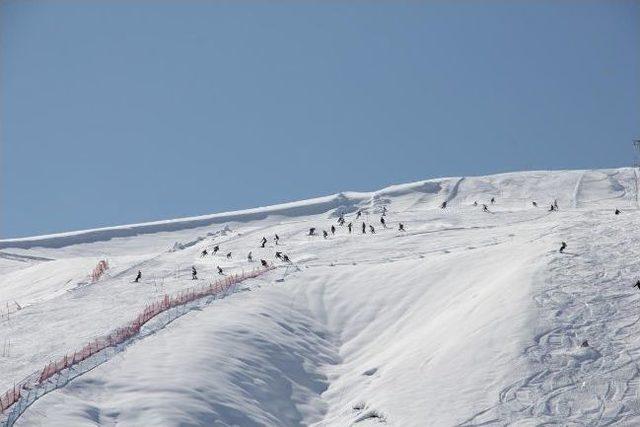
[(467, 318)]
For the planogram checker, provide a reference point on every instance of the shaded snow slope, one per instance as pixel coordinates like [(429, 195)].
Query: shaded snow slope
[(467, 318)]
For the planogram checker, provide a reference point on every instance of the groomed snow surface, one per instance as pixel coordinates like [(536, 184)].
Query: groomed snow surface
[(467, 318)]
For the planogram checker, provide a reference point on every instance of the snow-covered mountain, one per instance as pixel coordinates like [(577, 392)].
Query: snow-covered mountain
[(465, 318)]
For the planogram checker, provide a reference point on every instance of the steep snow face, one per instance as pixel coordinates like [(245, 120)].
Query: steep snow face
[(466, 318)]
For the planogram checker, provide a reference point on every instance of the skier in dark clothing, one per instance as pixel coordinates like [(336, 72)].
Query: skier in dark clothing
[(250, 257), (325, 234), (279, 255), (229, 255), (552, 208), (264, 242), (264, 263), (637, 285), (384, 210), (277, 239), (216, 248), (372, 230), (364, 228), (400, 227), (358, 215), (485, 208), (333, 229), (312, 231), (475, 203), (219, 270), (617, 212), (493, 200), (285, 258), (194, 273), (555, 204), (383, 222), (341, 220), (563, 246), (349, 226), (443, 205), (203, 253), (535, 205), (138, 277)]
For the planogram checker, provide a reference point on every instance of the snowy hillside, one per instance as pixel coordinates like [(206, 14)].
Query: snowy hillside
[(465, 318)]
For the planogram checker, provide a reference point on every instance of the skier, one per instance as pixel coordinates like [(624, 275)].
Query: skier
[(139, 276), (617, 212), (333, 229), (552, 208), (312, 231), (384, 210), (555, 204), (371, 229), (264, 242), (229, 255), (475, 203), (364, 228), (277, 239), (264, 263), (194, 273), (285, 258), (400, 227), (341, 220), (485, 208), (219, 270), (358, 214), (637, 285), (250, 257), (203, 253), (585, 343), (349, 226), (443, 205), (279, 255), (535, 205), (216, 248), (563, 245), (325, 234), (383, 222), (493, 200)]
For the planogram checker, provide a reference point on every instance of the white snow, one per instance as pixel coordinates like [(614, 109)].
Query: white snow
[(467, 318)]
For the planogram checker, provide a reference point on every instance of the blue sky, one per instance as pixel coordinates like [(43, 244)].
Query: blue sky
[(120, 112)]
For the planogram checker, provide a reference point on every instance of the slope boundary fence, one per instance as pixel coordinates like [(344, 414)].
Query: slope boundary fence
[(56, 374)]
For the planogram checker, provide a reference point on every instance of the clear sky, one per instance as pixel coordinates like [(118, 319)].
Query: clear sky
[(115, 112)]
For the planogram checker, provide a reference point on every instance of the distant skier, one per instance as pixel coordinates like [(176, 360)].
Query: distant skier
[(216, 248), (312, 231), (637, 285), (219, 270), (341, 220), (250, 257), (383, 222), (493, 200), (277, 239), (443, 205), (204, 253), (485, 208), (333, 229), (229, 255), (475, 203), (194, 273), (401, 227), (535, 205), (364, 228), (552, 208), (563, 246), (350, 226), (264, 263), (371, 229), (325, 234), (138, 277), (555, 204), (263, 242), (384, 210), (585, 343), (358, 214), (279, 255), (617, 212)]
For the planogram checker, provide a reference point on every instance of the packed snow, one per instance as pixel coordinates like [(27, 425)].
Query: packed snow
[(469, 317)]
